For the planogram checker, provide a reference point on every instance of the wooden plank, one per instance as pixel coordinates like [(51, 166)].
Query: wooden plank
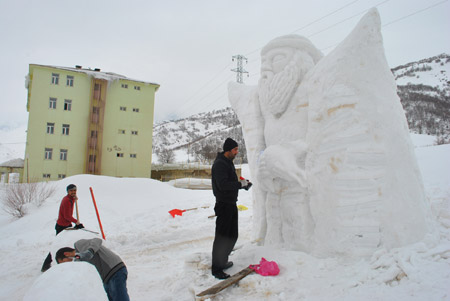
[(226, 283)]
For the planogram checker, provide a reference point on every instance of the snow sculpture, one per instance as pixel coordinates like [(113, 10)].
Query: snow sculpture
[(329, 148)]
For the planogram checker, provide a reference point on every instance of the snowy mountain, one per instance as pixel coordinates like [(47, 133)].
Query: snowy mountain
[(199, 136), (424, 91), (423, 88)]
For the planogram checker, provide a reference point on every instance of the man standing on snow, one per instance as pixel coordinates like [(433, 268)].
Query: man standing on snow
[(225, 185), (109, 265), (65, 219)]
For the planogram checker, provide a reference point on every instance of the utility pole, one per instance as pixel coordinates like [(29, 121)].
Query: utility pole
[(240, 69)]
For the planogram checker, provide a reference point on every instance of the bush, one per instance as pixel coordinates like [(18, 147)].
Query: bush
[(18, 196)]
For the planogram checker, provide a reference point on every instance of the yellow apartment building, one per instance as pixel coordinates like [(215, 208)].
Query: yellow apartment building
[(84, 121)]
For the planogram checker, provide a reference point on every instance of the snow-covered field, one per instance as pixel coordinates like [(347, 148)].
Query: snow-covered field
[(169, 258)]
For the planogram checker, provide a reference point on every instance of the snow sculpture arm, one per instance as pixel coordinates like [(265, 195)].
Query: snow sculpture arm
[(285, 162)]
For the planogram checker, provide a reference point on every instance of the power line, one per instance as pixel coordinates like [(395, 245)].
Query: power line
[(215, 89), (301, 28), (399, 19), (307, 25), (414, 13), (342, 21), (186, 103), (315, 21)]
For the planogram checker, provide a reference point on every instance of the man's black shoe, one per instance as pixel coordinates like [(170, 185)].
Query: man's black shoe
[(221, 275), (228, 265)]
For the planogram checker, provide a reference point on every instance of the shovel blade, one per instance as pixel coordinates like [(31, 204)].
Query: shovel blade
[(175, 212)]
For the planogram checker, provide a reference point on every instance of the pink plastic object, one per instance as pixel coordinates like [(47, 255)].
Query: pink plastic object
[(266, 268)]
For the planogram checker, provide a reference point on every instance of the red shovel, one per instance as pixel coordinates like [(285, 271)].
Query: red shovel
[(179, 212)]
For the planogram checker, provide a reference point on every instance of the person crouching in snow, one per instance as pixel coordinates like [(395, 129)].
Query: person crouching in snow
[(109, 265)]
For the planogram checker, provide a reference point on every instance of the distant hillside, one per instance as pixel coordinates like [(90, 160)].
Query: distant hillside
[(201, 136), (423, 88)]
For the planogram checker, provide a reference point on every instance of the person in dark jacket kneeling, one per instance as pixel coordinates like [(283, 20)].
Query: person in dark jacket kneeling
[(225, 185), (109, 265)]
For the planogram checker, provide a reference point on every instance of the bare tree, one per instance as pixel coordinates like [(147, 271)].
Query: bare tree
[(166, 156), (18, 196)]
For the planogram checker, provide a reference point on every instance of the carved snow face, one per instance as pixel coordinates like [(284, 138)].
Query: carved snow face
[(282, 70)]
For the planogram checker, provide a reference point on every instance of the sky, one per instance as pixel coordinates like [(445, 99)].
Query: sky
[(187, 46)]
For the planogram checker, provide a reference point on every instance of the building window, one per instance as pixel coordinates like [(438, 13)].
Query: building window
[(50, 128), (95, 114), (123, 108), (52, 103), (94, 134), (61, 176), (133, 155), (55, 78), (46, 176), (136, 110), (67, 105), (63, 155), (97, 91), (121, 131), (48, 153), (120, 155), (134, 132), (125, 86), (69, 80), (137, 88), (65, 129)]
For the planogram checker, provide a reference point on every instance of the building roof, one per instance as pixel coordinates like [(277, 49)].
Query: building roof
[(97, 73), (13, 163)]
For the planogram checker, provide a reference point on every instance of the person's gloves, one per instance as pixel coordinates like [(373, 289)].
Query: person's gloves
[(244, 182), (85, 256), (79, 226), (248, 186)]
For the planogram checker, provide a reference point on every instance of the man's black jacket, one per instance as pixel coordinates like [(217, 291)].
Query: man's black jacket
[(224, 180)]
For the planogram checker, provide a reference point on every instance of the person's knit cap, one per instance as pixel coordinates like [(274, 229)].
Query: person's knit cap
[(229, 144), (71, 186)]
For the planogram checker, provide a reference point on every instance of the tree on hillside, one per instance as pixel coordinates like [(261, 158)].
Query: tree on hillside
[(166, 156)]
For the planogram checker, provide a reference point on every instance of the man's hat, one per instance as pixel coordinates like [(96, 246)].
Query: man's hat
[(71, 186), (229, 144)]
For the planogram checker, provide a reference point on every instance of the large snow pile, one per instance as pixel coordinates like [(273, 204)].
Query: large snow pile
[(169, 258)]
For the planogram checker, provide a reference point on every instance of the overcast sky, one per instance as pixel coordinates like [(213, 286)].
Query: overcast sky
[(186, 46)]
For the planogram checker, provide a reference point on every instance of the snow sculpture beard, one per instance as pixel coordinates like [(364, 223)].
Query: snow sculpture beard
[(276, 91)]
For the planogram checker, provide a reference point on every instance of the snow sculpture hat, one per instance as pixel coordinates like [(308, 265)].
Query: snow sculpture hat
[(229, 145), (294, 41)]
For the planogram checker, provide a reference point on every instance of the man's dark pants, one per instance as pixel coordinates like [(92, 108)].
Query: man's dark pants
[(226, 234)]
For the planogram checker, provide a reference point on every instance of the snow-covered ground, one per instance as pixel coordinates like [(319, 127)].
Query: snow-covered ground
[(169, 258)]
